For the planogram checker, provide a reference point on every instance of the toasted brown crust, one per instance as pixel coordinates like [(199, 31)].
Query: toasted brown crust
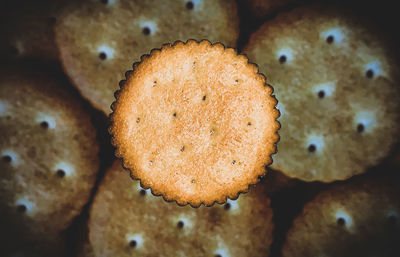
[(124, 30), (201, 119), (358, 218), (122, 211), (48, 152), (337, 86)]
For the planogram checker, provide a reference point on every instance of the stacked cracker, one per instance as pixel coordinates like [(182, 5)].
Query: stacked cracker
[(96, 48), (31, 209), (127, 220), (336, 82), (48, 161), (358, 218)]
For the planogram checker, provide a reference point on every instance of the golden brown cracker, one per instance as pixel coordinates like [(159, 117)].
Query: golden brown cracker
[(98, 40), (195, 122), (48, 152), (127, 220), (336, 82)]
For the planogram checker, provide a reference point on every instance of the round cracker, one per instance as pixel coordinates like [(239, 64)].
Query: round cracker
[(98, 41), (49, 161), (360, 218), (126, 220), (336, 82), (195, 122)]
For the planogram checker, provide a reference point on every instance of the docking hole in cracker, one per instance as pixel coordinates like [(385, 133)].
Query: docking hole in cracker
[(48, 159), (195, 122), (356, 218), (106, 36), (337, 79), (117, 227)]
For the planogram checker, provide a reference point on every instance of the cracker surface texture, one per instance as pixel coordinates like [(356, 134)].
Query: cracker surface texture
[(360, 218), (195, 122), (337, 86), (127, 220), (49, 161), (99, 39)]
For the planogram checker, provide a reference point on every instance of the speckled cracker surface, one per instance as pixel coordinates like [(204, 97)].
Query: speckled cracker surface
[(126, 220), (195, 122), (98, 40), (49, 161), (338, 92), (360, 218)]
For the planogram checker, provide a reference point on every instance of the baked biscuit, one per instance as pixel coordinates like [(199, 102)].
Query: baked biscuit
[(359, 218), (127, 220), (49, 161), (195, 122), (99, 39), (337, 85)]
